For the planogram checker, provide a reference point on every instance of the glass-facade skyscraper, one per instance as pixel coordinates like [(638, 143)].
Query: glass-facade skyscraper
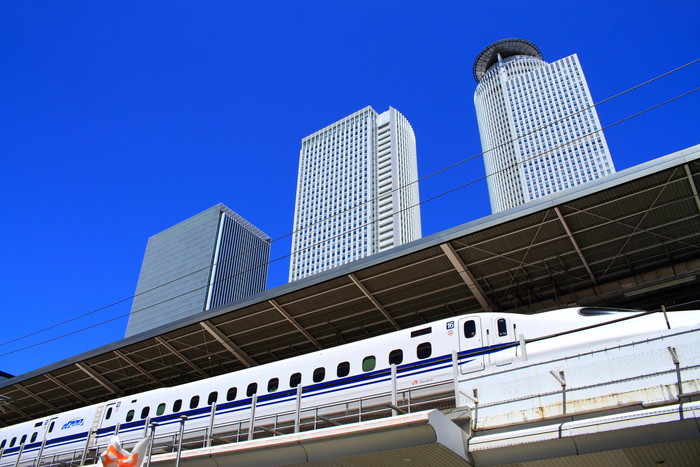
[(211, 259), (357, 191), (539, 130)]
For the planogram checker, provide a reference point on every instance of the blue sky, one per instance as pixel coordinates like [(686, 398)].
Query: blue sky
[(121, 119)]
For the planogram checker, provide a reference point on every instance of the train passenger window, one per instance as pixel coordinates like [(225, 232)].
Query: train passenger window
[(396, 357), (51, 426), (194, 402), (294, 380), (161, 409), (319, 374), (470, 329), (231, 394), (144, 412), (421, 332), (177, 405), (343, 369), (33, 438), (14, 440), (213, 396), (2, 445), (424, 350), (130, 415), (109, 413), (24, 438), (273, 384), (368, 363), (252, 389), (502, 329)]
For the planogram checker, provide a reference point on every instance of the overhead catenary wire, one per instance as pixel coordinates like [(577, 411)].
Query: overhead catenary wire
[(444, 193), (360, 204), (107, 321)]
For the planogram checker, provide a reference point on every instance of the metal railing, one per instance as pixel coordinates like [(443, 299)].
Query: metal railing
[(446, 394), (392, 402)]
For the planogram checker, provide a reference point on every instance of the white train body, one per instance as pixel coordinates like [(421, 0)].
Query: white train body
[(500, 356)]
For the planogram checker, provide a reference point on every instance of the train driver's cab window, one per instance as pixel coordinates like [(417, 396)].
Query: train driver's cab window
[(213, 396), (502, 329), (194, 402), (231, 394), (161, 409), (343, 369), (252, 389), (396, 357), (144, 412), (319, 374), (273, 384), (130, 415), (368, 363), (294, 380), (469, 329), (424, 350), (177, 405)]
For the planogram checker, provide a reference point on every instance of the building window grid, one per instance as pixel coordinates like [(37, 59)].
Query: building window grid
[(542, 104), (313, 254)]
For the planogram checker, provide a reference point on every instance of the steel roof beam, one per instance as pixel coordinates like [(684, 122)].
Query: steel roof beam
[(575, 244), (37, 398), (467, 276), (237, 352), (294, 323), (9, 404), (184, 359), (374, 301), (146, 374), (99, 379), (693, 187), (73, 393)]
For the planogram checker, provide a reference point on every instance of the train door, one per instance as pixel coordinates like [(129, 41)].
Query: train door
[(50, 430), (51, 427), (502, 333), (109, 415), (471, 339)]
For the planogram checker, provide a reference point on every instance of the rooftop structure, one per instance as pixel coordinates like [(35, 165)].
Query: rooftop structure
[(504, 48), (583, 246)]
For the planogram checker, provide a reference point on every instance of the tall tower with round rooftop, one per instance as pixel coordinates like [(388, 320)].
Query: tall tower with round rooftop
[(539, 130)]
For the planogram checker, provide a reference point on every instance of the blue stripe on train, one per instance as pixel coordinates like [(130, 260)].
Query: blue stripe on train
[(328, 387)]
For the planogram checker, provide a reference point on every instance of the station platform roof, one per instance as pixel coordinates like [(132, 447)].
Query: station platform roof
[(631, 239)]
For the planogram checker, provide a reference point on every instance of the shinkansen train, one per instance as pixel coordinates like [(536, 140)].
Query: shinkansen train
[(473, 348)]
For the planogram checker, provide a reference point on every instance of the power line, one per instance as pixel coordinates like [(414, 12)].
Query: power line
[(355, 207)]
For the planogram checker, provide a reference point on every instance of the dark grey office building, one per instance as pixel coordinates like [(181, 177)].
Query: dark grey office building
[(208, 260)]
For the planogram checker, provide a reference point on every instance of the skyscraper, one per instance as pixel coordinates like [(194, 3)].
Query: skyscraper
[(357, 191), (211, 259), (539, 130)]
